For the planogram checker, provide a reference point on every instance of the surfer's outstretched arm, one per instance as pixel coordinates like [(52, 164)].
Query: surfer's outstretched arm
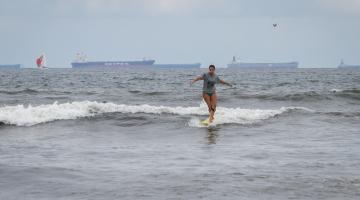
[(196, 79), (225, 83)]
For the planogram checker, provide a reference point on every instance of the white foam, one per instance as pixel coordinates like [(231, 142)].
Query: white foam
[(238, 116), (21, 115)]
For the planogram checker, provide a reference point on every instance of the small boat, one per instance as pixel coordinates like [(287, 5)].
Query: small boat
[(41, 62)]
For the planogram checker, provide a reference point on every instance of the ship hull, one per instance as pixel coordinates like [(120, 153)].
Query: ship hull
[(112, 64), (263, 65), (349, 66), (16, 66)]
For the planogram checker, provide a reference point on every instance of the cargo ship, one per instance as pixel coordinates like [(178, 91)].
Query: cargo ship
[(12, 66), (112, 64), (345, 66), (194, 65), (81, 62), (236, 64)]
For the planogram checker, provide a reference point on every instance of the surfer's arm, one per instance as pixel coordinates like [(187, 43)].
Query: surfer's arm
[(225, 83), (196, 79)]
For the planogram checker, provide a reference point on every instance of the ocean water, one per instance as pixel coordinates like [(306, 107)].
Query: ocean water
[(136, 134)]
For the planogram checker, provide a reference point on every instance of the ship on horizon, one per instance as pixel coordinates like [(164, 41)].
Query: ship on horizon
[(343, 65), (81, 62), (235, 64), (10, 66)]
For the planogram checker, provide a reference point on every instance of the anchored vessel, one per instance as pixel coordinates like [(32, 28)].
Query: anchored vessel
[(343, 65), (12, 66), (112, 64), (236, 64), (82, 63)]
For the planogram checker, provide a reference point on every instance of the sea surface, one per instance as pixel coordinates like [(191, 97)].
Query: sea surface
[(136, 134)]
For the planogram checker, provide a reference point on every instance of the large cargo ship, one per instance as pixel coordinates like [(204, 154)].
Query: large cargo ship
[(343, 65), (112, 64), (194, 65), (236, 64), (82, 63), (12, 66)]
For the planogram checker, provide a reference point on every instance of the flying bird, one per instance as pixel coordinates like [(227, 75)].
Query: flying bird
[(275, 25)]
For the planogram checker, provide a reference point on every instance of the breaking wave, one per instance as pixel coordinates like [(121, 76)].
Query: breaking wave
[(22, 115)]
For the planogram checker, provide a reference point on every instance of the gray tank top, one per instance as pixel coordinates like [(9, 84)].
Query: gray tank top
[(209, 82)]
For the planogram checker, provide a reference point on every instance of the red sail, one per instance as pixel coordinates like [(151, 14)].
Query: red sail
[(39, 61)]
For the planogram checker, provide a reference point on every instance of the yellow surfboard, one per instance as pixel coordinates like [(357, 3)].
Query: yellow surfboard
[(206, 122)]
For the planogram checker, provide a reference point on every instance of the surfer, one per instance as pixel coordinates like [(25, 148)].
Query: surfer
[(209, 90)]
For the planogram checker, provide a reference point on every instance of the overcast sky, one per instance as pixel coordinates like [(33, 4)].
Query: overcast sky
[(317, 33)]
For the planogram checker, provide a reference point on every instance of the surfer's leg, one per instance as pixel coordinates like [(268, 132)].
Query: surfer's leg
[(213, 102), (207, 100)]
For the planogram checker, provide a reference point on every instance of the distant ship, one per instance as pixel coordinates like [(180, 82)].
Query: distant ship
[(236, 64), (12, 66), (194, 65), (343, 65), (82, 63)]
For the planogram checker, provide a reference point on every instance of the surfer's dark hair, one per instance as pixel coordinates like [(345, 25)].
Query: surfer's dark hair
[(212, 66)]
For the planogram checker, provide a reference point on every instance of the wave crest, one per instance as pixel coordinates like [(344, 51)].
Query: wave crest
[(24, 91), (21, 115)]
